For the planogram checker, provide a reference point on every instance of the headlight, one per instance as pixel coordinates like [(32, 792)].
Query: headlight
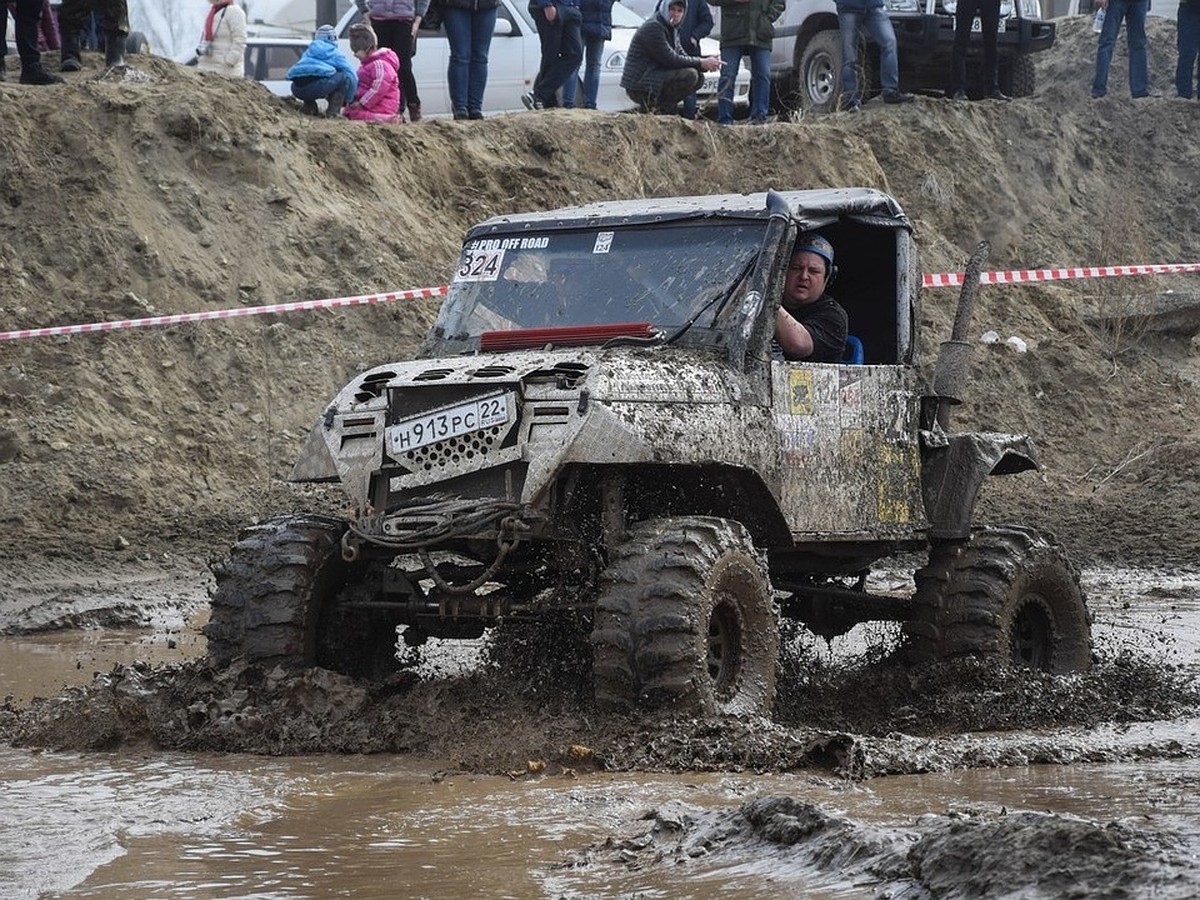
[(1006, 7), (615, 61), (902, 5)]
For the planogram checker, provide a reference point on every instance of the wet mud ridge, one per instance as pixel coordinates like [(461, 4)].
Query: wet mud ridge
[(962, 854), (857, 720)]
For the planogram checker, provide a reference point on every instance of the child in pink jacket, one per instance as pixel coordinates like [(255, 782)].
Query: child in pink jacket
[(378, 96)]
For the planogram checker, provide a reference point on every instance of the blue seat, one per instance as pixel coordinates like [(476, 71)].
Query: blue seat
[(854, 351)]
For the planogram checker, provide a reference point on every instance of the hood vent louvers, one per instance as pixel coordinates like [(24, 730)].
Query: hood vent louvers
[(373, 386), (433, 375), (494, 371), (564, 374)]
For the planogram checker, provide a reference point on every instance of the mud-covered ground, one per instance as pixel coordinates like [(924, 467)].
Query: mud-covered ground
[(859, 711), (849, 714)]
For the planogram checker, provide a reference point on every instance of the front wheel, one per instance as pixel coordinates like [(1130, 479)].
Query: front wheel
[(685, 619), (1009, 595), (276, 603), (819, 72)]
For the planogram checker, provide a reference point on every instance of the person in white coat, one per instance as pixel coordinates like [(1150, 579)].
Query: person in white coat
[(222, 47)]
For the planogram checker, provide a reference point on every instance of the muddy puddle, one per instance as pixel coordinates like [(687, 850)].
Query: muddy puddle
[(1121, 819), (40, 665), (98, 825)]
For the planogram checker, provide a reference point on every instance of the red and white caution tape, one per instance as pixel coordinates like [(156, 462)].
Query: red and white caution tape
[(236, 312), (1025, 276), (944, 279)]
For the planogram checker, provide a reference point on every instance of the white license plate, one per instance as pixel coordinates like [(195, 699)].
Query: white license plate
[(449, 422), (710, 84), (977, 25)]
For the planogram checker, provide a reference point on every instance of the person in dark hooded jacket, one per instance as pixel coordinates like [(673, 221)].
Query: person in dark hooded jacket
[(657, 73)]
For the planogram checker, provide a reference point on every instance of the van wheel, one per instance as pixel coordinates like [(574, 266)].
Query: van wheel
[(135, 42), (1008, 595), (1018, 76), (819, 73), (685, 621)]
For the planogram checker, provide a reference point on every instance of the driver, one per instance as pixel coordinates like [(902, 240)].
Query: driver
[(809, 324), (528, 268)]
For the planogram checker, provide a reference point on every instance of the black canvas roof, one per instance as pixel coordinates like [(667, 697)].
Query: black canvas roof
[(811, 209)]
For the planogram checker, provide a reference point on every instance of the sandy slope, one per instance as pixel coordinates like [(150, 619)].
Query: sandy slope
[(183, 193)]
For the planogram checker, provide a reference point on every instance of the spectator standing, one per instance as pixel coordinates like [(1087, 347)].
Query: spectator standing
[(73, 19), (322, 73), (870, 18), (469, 28), (558, 24), (747, 29), (378, 98), (222, 47), (43, 35), (395, 23), (696, 25), (657, 73), (1134, 14), (1188, 38), (989, 30), (596, 29)]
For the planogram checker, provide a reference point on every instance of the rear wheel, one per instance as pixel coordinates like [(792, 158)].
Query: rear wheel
[(686, 620), (1008, 595), (135, 42), (275, 603)]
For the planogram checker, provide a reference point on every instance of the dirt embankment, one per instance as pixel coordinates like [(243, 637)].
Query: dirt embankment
[(184, 193)]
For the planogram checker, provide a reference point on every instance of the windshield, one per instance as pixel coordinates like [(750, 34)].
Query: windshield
[(667, 275)]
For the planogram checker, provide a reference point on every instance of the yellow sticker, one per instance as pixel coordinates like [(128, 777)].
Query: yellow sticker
[(898, 480), (800, 392)]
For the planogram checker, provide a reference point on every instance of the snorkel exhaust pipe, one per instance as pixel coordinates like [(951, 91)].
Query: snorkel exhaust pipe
[(954, 356)]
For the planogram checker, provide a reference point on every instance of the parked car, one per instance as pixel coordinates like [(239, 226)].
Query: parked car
[(806, 57), (512, 62)]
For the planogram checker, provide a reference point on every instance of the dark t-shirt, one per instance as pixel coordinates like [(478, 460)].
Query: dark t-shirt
[(826, 321)]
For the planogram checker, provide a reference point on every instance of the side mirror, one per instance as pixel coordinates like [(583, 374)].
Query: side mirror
[(503, 27)]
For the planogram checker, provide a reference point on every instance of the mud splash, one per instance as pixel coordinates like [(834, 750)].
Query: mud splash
[(485, 721)]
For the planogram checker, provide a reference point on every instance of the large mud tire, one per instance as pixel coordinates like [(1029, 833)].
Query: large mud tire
[(1008, 595), (271, 592), (685, 621)]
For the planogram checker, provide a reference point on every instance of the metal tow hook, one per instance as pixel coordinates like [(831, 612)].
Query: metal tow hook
[(349, 548)]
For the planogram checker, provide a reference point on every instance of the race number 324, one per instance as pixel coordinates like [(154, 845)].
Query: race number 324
[(479, 265)]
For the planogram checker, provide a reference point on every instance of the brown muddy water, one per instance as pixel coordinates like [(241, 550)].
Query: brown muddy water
[(142, 825)]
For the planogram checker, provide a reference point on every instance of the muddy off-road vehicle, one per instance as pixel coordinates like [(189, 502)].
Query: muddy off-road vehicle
[(596, 428)]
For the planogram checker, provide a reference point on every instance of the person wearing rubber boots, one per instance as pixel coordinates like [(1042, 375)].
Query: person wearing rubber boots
[(114, 19), (27, 15)]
